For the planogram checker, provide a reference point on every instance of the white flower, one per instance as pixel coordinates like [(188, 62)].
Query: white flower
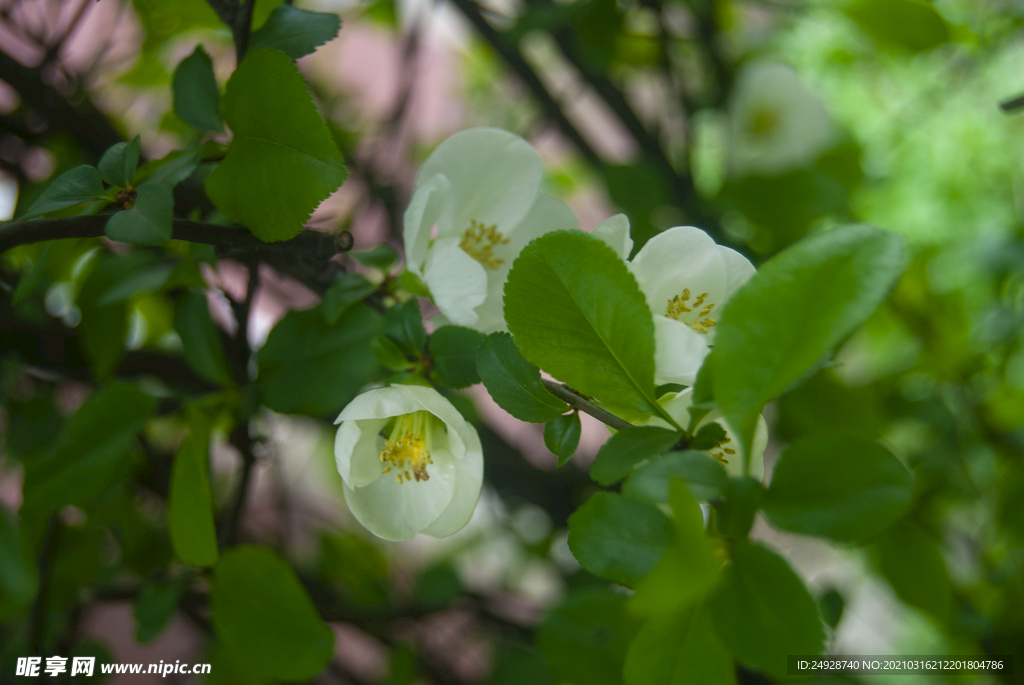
[(775, 123), (479, 191), (728, 452), (687, 279), (424, 477)]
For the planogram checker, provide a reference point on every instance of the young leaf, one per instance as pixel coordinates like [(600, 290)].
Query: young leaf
[(308, 367), (798, 306), (190, 505), (196, 95), (119, 162), (562, 436), (282, 161), (403, 323), (618, 538), (838, 486), (90, 452), (515, 383), (704, 476), (347, 290), (201, 340), (627, 448), (577, 312), (148, 222), (382, 257), (295, 32), (261, 610), (73, 187), (762, 611), (170, 170), (389, 354), (454, 351)]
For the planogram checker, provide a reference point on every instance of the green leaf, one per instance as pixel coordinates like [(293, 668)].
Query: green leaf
[(73, 187), (518, 666), (743, 497), (201, 339), (562, 436), (804, 301), (910, 558), (679, 649), (704, 475), (18, 576), (347, 290), (146, 279), (196, 95), (437, 587), (382, 257), (308, 367), (454, 351), (619, 538), (282, 161), (30, 280), (90, 453), (838, 486), (585, 638), (910, 24), (357, 565), (148, 222), (403, 323), (104, 327), (709, 436), (688, 567), (389, 354), (627, 448), (515, 383), (170, 170), (295, 32), (190, 504), (593, 331), (119, 162), (762, 611), (262, 612), (154, 608)]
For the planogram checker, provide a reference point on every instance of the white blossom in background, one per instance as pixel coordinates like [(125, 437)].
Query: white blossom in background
[(475, 206), (728, 452), (687, 278), (423, 477), (775, 123)]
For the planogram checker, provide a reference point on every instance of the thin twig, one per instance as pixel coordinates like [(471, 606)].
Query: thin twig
[(577, 401), (243, 443)]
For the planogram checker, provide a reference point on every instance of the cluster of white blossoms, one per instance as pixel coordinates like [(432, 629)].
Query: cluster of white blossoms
[(409, 462)]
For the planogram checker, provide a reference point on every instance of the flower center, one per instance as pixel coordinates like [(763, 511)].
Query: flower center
[(694, 314), (407, 449), (763, 122), (723, 451), (479, 242)]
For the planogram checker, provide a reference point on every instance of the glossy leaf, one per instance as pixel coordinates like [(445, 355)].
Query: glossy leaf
[(454, 351), (119, 162), (282, 161), (762, 611), (594, 331), (627, 448), (196, 94), (562, 436), (403, 323), (619, 538), (804, 301), (295, 32), (74, 187), (262, 612), (148, 222), (838, 486), (515, 383)]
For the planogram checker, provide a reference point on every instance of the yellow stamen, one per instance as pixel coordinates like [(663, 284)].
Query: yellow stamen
[(719, 455), (407, 449), (479, 241), (679, 307)]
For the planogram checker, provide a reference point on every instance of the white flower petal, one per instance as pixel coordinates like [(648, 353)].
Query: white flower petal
[(679, 258), (397, 511), (494, 177), (457, 282), (738, 270), (424, 210), (461, 435), (468, 480), (679, 352), (357, 445), (380, 403), (615, 232), (546, 215)]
